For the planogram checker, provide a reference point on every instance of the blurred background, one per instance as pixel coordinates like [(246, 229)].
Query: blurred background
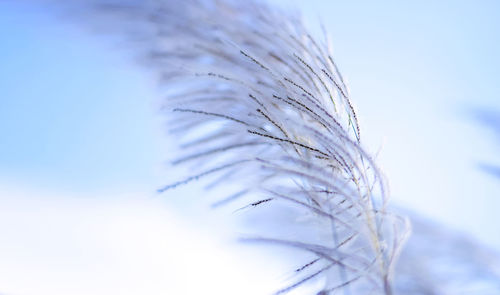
[(83, 146)]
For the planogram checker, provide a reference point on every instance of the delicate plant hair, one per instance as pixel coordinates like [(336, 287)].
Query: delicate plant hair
[(257, 100)]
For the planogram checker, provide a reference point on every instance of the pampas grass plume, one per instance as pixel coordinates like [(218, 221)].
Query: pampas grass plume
[(254, 99)]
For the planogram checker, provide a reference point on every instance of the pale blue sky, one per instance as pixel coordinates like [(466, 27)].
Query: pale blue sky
[(77, 116)]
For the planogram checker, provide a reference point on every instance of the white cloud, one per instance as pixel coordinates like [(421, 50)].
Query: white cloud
[(61, 244)]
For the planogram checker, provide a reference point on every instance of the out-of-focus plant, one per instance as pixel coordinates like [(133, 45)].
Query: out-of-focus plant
[(491, 120)]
